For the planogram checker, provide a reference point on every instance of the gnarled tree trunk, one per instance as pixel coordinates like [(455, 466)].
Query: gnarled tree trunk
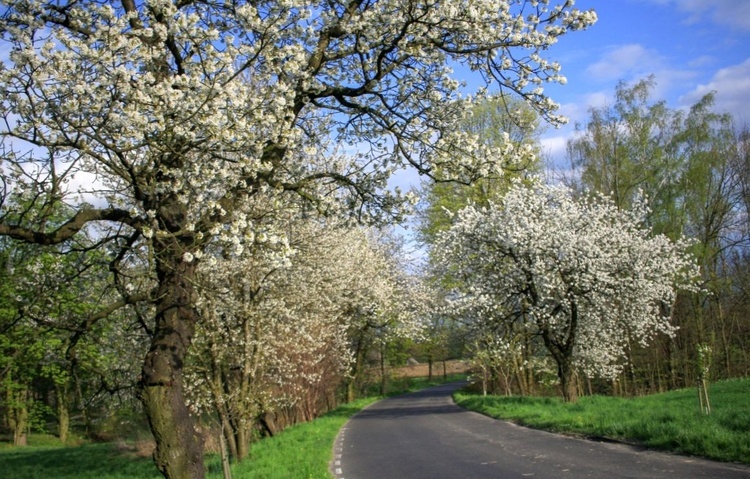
[(179, 448)]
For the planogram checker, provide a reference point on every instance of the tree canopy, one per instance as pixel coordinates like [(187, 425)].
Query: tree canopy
[(160, 121)]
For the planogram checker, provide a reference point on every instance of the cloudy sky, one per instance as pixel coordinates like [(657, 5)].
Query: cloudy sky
[(692, 47)]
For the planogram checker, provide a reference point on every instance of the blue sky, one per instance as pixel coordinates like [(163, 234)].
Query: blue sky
[(691, 46)]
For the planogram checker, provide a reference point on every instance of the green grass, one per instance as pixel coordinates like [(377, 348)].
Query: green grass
[(299, 452), (89, 461), (670, 421)]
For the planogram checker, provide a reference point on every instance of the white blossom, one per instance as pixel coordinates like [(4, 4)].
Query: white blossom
[(587, 277), (187, 113)]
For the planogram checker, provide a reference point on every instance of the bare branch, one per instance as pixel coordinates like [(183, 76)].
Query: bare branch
[(68, 229)]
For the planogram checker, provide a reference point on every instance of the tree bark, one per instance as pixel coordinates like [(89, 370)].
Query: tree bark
[(224, 456), (383, 377), (217, 390), (243, 441), (359, 359), (227, 429), (19, 415), (179, 448), (63, 413), (561, 347), (566, 373)]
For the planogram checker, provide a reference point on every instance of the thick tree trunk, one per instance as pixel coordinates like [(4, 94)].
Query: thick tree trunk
[(243, 442), (19, 415), (179, 448), (21, 424), (561, 348), (16, 412), (179, 452), (566, 374)]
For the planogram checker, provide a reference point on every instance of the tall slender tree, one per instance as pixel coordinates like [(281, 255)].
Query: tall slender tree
[(687, 163)]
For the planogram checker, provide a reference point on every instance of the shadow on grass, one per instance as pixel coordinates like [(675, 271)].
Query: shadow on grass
[(82, 462), (345, 411)]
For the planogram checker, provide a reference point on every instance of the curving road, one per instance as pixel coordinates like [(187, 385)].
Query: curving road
[(425, 435)]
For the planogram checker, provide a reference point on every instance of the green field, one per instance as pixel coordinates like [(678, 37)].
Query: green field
[(670, 421)]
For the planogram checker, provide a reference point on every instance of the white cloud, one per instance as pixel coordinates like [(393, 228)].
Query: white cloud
[(625, 61), (732, 13), (702, 61), (732, 87), (632, 63), (596, 99), (555, 147), (578, 111)]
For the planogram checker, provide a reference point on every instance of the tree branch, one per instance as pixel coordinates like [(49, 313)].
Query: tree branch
[(68, 229)]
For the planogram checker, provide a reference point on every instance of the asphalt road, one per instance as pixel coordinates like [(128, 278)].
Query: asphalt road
[(425, 435)]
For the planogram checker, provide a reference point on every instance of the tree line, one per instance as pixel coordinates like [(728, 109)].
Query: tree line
[(290, 328), (692, 166)]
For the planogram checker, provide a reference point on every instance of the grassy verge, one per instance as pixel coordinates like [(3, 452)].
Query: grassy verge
[(299, 452), (669, 421)]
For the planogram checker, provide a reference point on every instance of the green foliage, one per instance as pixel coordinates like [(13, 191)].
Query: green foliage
[(622, 148), (53, 357), (678, 160), (692, 165), (668, 421), (490, 120)]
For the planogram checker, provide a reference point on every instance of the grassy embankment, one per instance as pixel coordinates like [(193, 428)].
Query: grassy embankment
[(670, 421), (301, 451)]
